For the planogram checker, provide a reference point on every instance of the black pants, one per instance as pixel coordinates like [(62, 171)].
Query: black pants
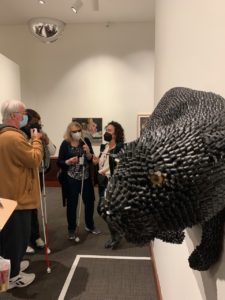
[(34, 234), (14, 239), (102, 184), (73, 190)]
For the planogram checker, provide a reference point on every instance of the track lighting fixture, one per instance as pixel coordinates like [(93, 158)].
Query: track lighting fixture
[(76, 6)]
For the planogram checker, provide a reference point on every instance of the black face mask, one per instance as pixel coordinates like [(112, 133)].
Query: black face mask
[(107, 136)]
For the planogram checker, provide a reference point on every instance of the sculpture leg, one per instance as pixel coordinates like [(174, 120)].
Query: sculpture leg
[(210, 248), (115, 239)]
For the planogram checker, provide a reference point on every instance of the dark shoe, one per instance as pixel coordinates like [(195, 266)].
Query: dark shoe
[(71, 236), (112, 244), (94, 231)]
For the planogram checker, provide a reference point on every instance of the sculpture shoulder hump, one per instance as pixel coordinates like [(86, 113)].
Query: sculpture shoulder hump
[(187, 105)]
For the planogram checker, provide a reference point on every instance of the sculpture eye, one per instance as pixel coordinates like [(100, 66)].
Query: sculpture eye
[(157, 178)]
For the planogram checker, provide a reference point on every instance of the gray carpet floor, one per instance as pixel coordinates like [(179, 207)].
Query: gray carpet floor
[(93, 278)]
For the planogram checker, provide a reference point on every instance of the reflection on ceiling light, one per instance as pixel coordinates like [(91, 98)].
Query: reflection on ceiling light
[(76, 6), (41, 1), (47, 30)]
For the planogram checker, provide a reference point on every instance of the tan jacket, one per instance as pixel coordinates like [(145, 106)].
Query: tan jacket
[(19, 163)]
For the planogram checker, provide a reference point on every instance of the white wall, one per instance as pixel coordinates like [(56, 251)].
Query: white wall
[(93, 70), (190, 47), (9, 79)]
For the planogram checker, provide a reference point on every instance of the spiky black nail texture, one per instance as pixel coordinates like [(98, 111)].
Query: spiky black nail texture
[(173, 176)]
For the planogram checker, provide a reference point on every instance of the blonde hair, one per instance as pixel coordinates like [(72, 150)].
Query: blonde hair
[(67, 136)]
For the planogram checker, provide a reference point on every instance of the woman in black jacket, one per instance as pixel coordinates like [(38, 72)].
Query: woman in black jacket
[(75, 156), (114, 136)]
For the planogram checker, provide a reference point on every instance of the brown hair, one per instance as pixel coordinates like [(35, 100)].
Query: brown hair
[(119, 131)]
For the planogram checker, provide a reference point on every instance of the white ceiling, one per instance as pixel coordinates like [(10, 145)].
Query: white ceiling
[(16, 12)]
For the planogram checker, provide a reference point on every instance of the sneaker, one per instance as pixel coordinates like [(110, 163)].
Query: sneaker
[(71, 236), (94, 231), (21, 280), (39, 243), (30, 250), (24, 264)]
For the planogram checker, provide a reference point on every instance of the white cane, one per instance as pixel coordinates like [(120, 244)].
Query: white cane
[(80, 199), (44, 216)]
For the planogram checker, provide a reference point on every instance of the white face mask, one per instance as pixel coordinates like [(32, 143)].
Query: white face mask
[(76, 135)]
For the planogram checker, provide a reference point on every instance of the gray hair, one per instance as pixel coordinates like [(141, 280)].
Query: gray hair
[(10, 106)]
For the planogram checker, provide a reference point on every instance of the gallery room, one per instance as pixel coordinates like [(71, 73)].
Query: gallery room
[(94, 71)]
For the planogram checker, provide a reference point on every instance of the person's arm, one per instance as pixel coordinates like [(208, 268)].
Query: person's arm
[(64, 158), (44, 137), (48, 142), (25, 153), (51, 148)]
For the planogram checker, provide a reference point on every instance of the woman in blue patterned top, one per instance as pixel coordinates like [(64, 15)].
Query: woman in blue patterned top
[(75, 156)]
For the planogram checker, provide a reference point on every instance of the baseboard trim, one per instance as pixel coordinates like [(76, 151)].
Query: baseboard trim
[(52, 183), (155, 274)]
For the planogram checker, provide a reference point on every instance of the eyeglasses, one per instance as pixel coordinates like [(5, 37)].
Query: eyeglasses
[(75, 131)]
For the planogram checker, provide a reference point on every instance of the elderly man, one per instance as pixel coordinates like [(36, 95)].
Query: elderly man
[(19, 161)]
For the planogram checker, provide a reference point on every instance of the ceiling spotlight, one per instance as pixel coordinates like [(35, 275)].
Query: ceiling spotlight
[(76, 6), (41, 1)]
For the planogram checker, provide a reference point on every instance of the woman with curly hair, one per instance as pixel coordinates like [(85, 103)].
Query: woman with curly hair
[(114, 137)]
